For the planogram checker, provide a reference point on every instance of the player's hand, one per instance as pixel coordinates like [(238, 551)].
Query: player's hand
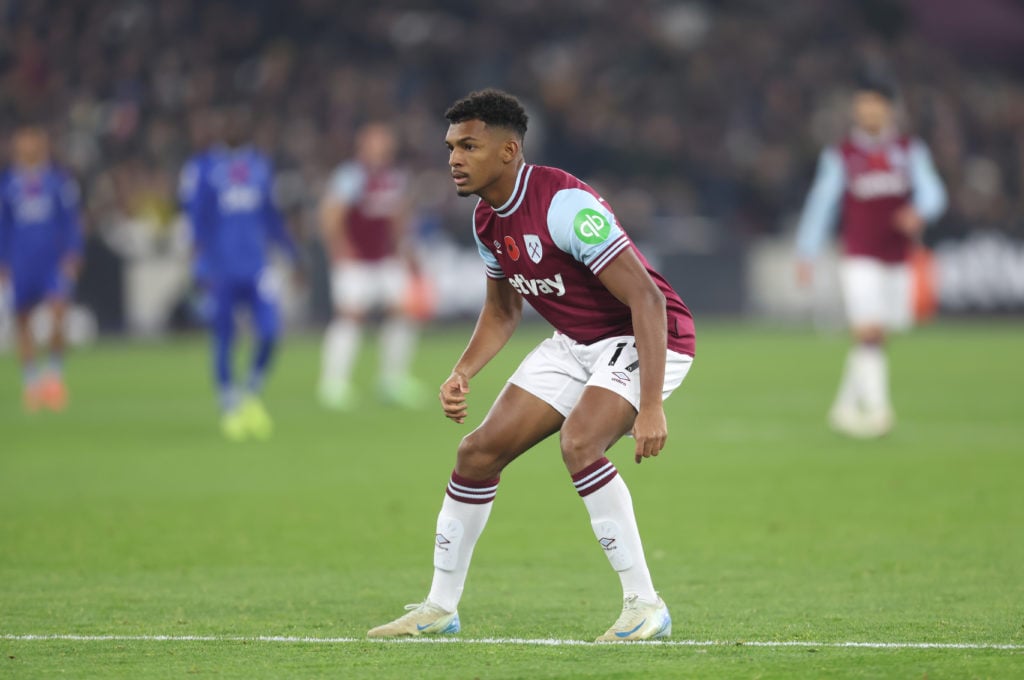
[(650, 430), (804, 273), (453, 396), (908, 221)]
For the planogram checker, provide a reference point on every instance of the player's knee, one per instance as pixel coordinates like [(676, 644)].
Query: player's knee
[(477, 459), (579, 450), (870, 335)]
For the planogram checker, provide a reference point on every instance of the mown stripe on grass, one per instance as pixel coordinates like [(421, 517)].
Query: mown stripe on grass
[(541, 642)]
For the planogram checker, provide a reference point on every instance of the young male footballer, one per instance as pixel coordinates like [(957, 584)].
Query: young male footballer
[(623, 342)]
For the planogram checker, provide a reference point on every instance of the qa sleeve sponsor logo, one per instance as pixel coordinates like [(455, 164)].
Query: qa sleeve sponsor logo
[(513, 249), (591, 226)]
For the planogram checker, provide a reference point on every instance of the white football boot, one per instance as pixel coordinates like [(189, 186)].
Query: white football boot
[(425, 618), (640, 620), (859, 425)]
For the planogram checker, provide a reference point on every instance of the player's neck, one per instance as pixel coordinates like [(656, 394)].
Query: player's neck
[(868, 138), (30, 168), (501, 190)]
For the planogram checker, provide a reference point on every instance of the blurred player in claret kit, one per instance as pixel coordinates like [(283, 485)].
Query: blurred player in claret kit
[(883, 188), (235, 219), (365, 219), (623, 342), (40, 257)]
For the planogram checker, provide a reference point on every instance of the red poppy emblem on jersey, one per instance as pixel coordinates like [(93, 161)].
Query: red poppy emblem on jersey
[(513, 249)]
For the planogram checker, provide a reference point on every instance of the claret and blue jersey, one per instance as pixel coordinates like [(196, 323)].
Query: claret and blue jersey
[(551, 240), (39, 230)]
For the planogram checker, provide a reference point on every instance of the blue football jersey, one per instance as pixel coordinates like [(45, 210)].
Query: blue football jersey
[(234, 216), (39, 220)]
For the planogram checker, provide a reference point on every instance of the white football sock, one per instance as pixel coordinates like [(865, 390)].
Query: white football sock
[(341, 342), (873, 369), (467, 505), (610, 506), (848, 393), (397, 341)]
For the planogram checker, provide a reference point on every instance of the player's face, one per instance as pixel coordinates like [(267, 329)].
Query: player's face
[(871, 112), (475, 155), (377, 145), (30, 147)]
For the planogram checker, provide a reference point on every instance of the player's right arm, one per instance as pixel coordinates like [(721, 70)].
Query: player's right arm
[(499, 318), (820, 212)]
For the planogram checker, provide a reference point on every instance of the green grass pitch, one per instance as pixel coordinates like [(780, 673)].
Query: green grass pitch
[(129, 516)]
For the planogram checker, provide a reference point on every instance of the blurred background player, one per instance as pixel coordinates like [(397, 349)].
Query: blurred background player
[(883, 187), (40, 256), (235, 219), (365, 223)]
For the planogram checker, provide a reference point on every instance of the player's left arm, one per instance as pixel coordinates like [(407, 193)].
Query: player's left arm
[(627, 279), (928, 200), (68, 199)]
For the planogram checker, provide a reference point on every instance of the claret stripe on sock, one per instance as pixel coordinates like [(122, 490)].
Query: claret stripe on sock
[(594, 476), (471, 491)]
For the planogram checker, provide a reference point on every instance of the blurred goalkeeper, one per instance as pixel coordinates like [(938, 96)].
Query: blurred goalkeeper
[(882, 187)]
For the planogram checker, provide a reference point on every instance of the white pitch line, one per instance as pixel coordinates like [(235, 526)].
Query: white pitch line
[(538, 642)]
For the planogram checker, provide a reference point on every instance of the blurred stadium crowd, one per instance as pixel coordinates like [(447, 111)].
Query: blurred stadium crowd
[(716, 110)]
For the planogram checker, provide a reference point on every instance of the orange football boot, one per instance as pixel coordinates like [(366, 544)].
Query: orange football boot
[(54, 393)]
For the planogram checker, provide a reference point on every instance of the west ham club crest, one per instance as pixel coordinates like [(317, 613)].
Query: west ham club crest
[(534, 248)]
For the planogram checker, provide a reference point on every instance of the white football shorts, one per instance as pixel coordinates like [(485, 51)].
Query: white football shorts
[(359, 286), (876, 293), (559, 369)]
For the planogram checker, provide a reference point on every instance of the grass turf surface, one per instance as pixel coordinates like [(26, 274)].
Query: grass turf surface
[(128, 515)]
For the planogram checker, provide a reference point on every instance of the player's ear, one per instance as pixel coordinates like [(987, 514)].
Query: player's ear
[(510, 150)]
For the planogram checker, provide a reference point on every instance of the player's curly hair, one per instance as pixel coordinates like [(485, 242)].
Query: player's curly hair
[(493, 107)]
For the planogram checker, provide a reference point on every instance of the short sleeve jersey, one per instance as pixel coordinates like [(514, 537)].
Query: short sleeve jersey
[(551, 240)]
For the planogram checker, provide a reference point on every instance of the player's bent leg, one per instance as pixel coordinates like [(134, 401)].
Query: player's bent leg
[(599, 419), (254, 415), (516, 422), (340, 348), (869, 414), (53, 390), (32, 397)]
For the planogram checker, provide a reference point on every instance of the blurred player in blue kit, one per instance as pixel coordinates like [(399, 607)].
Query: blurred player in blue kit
[(40, 257), (235, 220)]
